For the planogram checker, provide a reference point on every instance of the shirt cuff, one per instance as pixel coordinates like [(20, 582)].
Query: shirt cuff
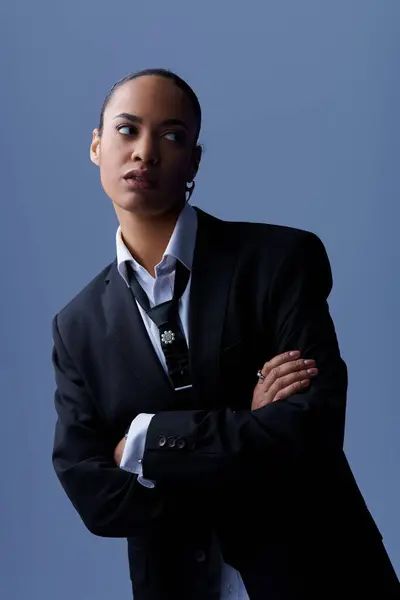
[(134, 448)]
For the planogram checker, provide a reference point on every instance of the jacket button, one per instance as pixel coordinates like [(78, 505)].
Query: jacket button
[(181, 443), (171, 442), (200, 556), (162, 440)]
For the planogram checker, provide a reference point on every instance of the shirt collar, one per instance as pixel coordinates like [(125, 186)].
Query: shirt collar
[(180, 246)]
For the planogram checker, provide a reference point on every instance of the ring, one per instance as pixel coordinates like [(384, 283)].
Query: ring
[(260, 375)]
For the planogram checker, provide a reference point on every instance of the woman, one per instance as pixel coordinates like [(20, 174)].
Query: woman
[(225, 479)]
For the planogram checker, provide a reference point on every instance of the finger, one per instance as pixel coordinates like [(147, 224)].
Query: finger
[(280, 383), (280, 359), (292, 366), (292, 389), (283, 358), (286, 380)]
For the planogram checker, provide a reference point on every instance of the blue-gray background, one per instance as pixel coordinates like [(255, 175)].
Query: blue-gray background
[(301, 127)]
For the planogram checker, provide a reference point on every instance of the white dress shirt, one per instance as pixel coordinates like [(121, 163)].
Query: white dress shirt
[(160, 289)]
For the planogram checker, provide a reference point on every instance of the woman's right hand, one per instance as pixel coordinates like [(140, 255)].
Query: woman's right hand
[(284, 375)]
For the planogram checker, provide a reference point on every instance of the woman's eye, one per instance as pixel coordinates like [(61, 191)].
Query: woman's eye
[(175, 136), (127, 130)]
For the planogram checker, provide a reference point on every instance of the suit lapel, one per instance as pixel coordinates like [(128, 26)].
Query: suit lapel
[(213, 263), (130, 336)]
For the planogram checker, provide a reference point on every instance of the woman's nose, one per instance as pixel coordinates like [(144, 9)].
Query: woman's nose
[(146, 150)]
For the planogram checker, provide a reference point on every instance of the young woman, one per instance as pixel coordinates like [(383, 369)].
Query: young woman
[(228, 478)]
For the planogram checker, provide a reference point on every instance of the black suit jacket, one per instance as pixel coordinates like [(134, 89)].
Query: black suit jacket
[(271, 486)]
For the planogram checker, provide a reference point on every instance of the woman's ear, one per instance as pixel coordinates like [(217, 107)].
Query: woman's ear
[(95, 148), (196, 159)]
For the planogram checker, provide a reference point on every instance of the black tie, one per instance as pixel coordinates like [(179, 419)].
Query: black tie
[(166, 317)]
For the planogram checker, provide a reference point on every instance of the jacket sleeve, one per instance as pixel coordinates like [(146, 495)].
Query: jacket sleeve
[(110, 501), (210, 446)]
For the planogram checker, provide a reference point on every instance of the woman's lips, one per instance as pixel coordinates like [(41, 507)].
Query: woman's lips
[(139, 183)]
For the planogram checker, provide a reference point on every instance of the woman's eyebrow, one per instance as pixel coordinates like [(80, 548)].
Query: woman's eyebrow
[(129, 117), (175, 122), (138, 120)]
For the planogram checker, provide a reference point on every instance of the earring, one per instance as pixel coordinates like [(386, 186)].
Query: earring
[(190, 190)]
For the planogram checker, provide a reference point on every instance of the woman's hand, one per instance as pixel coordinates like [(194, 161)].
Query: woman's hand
[(119, 450), (283, 376)]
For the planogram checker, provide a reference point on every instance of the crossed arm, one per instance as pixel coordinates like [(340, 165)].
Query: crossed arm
[(217, 443), (281, 377)]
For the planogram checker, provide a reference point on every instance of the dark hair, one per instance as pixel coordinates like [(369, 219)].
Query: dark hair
[(160, 73)]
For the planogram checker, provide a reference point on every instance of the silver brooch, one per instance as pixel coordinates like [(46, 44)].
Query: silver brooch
[(167, 337)]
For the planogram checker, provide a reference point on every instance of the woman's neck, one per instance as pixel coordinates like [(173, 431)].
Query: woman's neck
[(147, 237)]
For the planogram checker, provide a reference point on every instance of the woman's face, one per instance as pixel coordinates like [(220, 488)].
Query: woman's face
[(147, 151)]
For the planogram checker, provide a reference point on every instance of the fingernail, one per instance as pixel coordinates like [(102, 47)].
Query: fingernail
[(294, 353), (309, 362), (312, 371), (305, 382)]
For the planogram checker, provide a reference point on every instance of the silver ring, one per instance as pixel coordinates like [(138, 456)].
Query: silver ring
[(260, 375)]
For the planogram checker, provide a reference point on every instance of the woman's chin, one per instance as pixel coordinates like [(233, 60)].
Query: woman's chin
[(143, 203)]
